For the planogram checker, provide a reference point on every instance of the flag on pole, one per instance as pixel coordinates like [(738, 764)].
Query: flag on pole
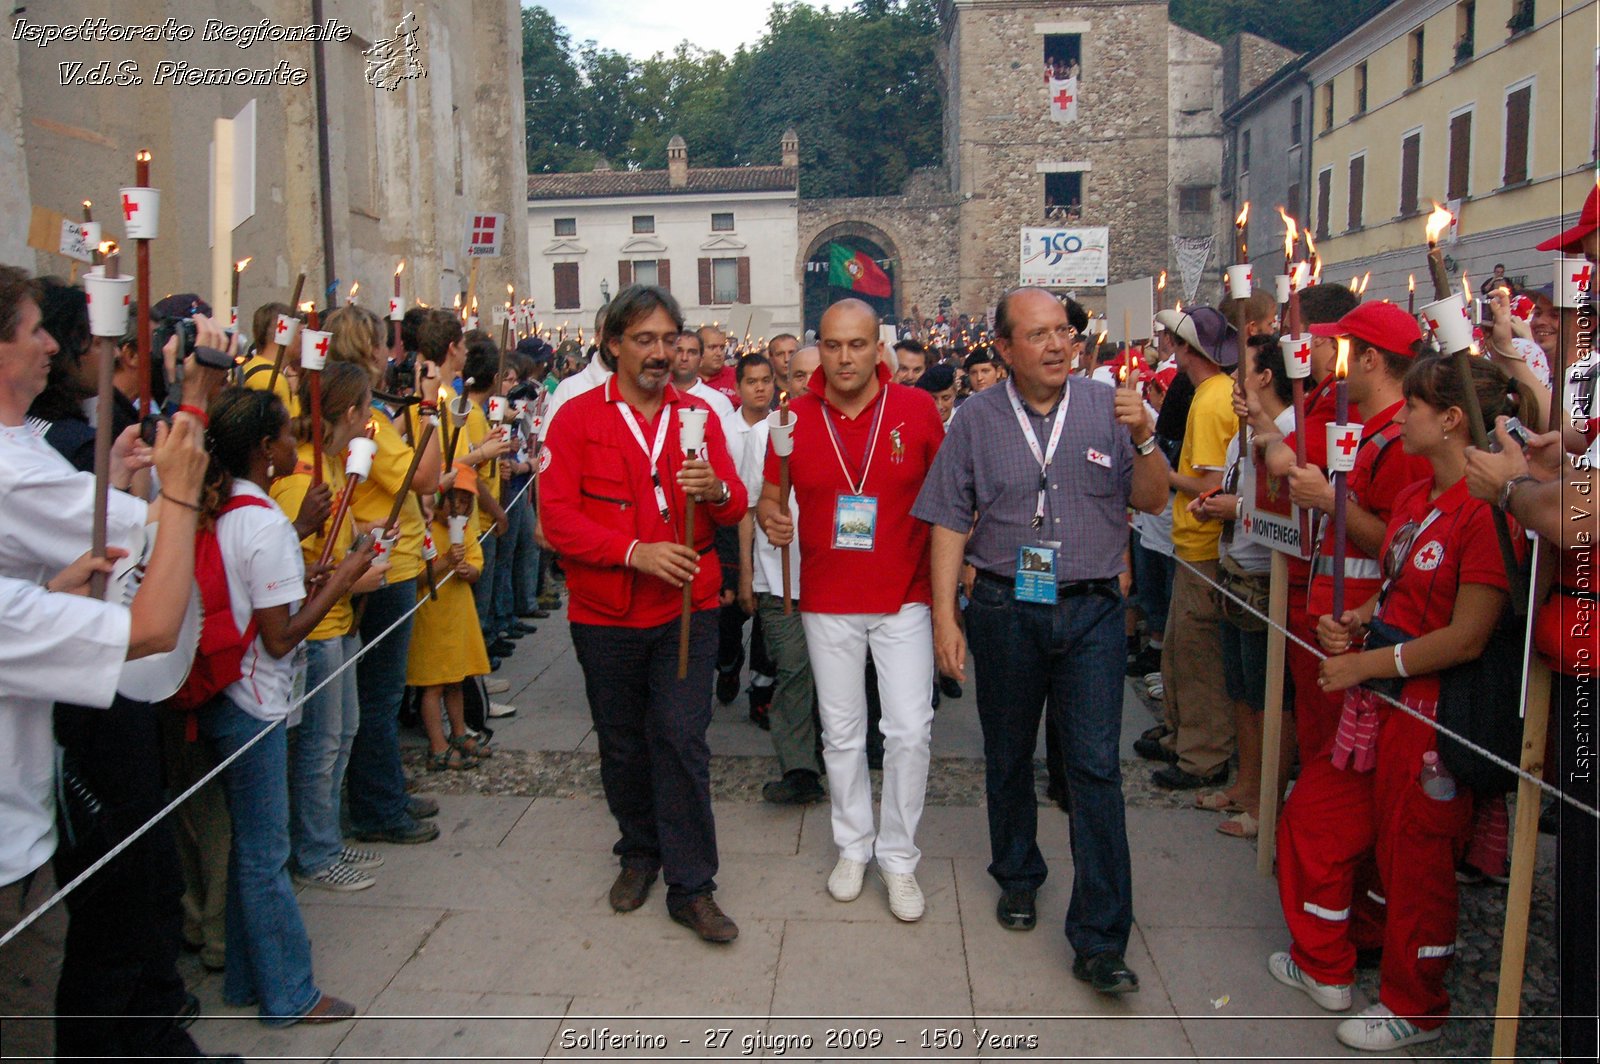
[(856, 271), (1063, 99)]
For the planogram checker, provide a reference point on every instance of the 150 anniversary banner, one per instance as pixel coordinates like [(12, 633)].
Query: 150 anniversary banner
[(1064, 258)]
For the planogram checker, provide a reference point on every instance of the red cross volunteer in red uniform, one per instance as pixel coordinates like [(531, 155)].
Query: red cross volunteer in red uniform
[(612, 490), (1443, 591)]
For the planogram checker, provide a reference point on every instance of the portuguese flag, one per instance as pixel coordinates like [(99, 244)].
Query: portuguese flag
[(856, 271)]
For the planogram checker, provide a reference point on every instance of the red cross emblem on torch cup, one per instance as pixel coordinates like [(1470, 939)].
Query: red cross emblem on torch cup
[(128, 209), (283, 329), (1581, 278), (321, 347), (1347, 442)]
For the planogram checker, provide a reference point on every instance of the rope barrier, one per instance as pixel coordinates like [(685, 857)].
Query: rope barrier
[(1435, 725), (142, 829)]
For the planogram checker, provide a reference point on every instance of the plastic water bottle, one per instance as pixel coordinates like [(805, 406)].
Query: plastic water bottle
[(1437, 783)]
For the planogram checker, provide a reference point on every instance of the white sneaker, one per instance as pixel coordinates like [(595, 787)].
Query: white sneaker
[(1335, 997), (844, 883), (496, 687), (356, 857), (337, 876), (501, 709), (1155, 687), (1376, 1028), (905, 897)]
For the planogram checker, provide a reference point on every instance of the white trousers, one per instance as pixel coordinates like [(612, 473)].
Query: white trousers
[(902, 651)]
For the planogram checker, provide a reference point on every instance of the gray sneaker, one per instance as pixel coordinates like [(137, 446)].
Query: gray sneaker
[(359, 858), (337, 876)]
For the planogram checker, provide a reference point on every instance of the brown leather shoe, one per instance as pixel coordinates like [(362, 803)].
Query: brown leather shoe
[(329, 1009), (631, 889), (701, 915)]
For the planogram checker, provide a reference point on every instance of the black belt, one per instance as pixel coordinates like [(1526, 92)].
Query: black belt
[(1071, 589)]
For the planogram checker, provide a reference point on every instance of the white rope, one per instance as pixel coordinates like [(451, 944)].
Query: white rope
[(1435, 725), (140, 831)]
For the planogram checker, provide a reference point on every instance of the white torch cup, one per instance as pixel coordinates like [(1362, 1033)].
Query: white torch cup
[(1342, 459), (1574, 280), (691, 430), (1239, 280), (1299, 276), (1296, 356), (314, 348), (358, 463), (1449, 321), (1281, 288), (397, 309), (287, 329), (458, 530), (497, 408), (108, 302), (782, 436), (141, 211), (429, 551)]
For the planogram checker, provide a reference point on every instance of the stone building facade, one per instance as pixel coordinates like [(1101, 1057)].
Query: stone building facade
[(407, 167)]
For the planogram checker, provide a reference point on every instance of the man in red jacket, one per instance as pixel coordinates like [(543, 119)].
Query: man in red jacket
[(613, 487)]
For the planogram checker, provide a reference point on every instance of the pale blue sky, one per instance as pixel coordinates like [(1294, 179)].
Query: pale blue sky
[(641, 29)]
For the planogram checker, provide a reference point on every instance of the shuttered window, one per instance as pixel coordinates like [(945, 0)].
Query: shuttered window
[(705, 282), (664, 274), (1358, 191), (566, 278), (624, 274), (1518, 105), (1324, 199), (1458, 184), (1410, 173)]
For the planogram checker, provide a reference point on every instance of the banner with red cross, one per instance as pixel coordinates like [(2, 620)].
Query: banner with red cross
[(1063, 99)]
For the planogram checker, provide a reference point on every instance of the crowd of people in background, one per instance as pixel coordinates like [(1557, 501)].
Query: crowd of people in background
[(1010, 493)]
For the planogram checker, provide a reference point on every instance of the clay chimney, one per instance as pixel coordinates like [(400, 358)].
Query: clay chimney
[(677, 162), (790, 146)]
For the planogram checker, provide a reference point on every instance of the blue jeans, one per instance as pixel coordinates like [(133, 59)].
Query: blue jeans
[(269, 953), (376, 783), (511, 555), (1152, 585), (525, 559), (320, 752), (1073, 654), (483, 590)]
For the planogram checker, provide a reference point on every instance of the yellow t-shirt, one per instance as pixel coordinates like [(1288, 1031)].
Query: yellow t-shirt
[(1205, 446), (258, 371), (288, 492), (374, 498), (476, 431)]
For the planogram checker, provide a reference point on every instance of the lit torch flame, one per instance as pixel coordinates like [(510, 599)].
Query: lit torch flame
[(1290, 233), (239, 266), (308, 306), (1341, 364), (1244, 216), (1437, 223), (1366, 279), (1161, 283), (1411, 282), (398, 270)]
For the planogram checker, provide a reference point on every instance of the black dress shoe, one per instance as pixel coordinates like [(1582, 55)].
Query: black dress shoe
[(702, 915), (1174, 778), (799, 786), (1106, 972), (1060, 795), (631, 888), (949, 686), (727, 686), (1152, 750), (409, 833), (502, 648), (1016, 910)]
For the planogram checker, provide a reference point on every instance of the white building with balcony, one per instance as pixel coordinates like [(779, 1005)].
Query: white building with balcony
[(722, 240)]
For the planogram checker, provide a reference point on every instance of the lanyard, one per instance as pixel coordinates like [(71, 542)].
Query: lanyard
[(1045, 457), (652, 451), (858, 487)]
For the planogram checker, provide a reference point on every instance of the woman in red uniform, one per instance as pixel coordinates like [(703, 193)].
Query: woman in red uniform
[(1444, 589)]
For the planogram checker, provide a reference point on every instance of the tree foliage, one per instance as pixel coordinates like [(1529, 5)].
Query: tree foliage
[(859, 85)]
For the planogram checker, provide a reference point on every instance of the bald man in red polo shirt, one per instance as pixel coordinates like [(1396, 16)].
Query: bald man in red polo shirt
[(614, 483), (862, 448)]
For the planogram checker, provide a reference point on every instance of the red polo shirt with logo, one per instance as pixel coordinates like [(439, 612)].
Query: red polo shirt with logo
[(725, 381), (1457, 547), (895, 571), (1383, 469), (596, 500)]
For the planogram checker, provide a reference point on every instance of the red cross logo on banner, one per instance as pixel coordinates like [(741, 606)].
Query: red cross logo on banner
[(1348, 443), (483, 227), (1581, 278), (128, 209), (1063, 99)]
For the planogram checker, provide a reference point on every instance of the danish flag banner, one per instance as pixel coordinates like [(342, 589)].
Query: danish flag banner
[(483, 235), (1063, 99)]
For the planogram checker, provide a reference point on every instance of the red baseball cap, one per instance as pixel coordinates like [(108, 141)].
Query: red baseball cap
[(1588, 222), (1383, 325)]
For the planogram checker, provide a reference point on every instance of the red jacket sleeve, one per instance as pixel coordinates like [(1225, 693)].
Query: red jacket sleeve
[(571, 531)]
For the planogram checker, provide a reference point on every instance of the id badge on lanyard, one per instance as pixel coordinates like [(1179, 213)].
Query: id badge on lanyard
[(855, 522), (1036, 573)]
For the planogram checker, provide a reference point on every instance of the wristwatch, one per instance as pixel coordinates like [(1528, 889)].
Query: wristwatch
[(1508, 489), (727, 493), (1148, 446)]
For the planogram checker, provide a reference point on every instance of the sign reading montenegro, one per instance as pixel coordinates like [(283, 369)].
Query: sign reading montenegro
[(1064, 258)]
